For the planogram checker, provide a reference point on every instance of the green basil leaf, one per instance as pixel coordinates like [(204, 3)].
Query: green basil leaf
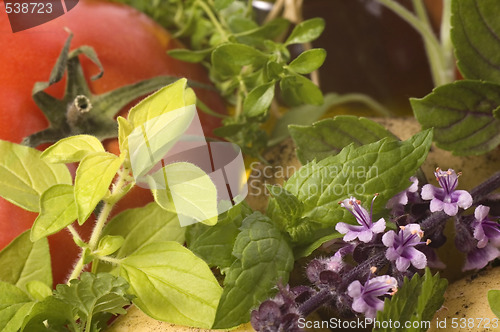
[(308, 61), (214, 244), (172, 284), (476, 36), (189, 55), (328, 137), (14, 306), (142, 226), (306, 31), (416, 301), (382, 167), (124, 130), (109, 244), (229, 59), (38, 290), (462, 116), (189, 189), (264, 258), (298, 90), (494, 301), (259, 99), (27, 261), (57, 211), (168, 98), (51, 311), (25, 176), (72, 149), (93, 178)]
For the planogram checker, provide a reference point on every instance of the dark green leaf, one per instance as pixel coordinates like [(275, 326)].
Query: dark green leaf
[(308, 61), (259, 99), (228, 130), (264, 258), (476, 37), (382, 167), (298, 90), (26, 261), (214, 244), (229, 59), (328, 137), (268, 31), (289, 205), (306, 31), (189, 55), (462, 116), (417, 300)]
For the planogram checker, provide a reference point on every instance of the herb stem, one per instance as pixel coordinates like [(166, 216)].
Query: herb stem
[(364, 99), (213, 19), (114, 261), (75, 234), (315, 302)]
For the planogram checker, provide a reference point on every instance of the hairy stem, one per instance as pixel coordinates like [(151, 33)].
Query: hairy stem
[(315, 302)]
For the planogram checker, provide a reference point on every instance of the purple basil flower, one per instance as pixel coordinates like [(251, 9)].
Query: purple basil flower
[(401, 247), (446, 198), (484, 229), (480, 257), (366, 297), (364, 232), (402, 197)]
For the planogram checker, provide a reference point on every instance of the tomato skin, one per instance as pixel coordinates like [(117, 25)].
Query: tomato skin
[(130, 46)]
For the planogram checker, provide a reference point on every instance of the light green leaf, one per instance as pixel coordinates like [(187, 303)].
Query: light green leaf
[(264, 258), (328, 137), (140, 227), (214, 244), (306, 31), (14, 306), (259, 99), (298, 90), (172, 284), (169, 98), (109, 244), (124, 129), (476, 36), (308, 61), (222, 4), (189, 189), (229, 59), (461, 114), (24, 176), (494, 301), (38, 290), (383, 167), (417, 300), (57, 211), (27, 261), (72, 149), (93, 178)]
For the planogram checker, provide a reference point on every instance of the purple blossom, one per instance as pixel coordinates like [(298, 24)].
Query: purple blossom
[(402, 197), (366, 297), (446, 198), (484, 229), (367, 228), (401, 247), (480, 257)]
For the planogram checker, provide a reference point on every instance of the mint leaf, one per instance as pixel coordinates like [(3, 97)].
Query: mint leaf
[(172, 284), (462, 116), (26, 261), (264, 258), (417, 300), (328, 137), (289, 205), (476, 36), (14, 306), (382, 167), (306, 31), (494, 301), (214, 244), (308, 61), (24, 176), (93, 294), (93, 178), (72, 149), (142, 226), (57, 210)]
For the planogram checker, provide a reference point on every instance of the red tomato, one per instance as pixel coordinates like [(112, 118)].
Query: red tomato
[(130, 46)]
